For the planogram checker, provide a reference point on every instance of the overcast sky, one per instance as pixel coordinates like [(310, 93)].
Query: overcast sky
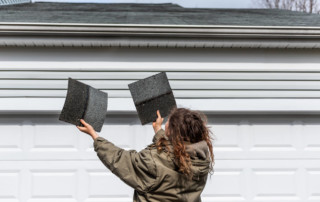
[(185, 3)]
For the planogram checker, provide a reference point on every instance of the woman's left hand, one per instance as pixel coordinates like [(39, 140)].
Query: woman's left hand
[(157, 124), (87, 128)]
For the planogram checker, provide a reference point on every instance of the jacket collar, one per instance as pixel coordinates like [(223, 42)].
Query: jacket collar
[(199, 149)]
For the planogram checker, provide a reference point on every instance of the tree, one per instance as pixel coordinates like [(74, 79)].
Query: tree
[(306, 6)]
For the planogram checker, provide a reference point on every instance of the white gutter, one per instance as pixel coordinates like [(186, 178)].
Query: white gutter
[(97, 35), (68, 29)]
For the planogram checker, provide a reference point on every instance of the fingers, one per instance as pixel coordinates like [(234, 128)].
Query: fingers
[(83, 122), (82, 129), (159, 117), (158, 113), (85, 128)]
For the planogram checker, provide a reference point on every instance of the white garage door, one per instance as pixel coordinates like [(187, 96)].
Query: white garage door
[(258, 158)]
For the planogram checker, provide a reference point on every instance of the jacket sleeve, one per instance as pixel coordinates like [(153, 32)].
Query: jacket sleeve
[(136, 169), (160, 134)]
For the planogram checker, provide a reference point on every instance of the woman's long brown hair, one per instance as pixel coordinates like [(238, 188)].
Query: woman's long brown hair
[(186, 125)]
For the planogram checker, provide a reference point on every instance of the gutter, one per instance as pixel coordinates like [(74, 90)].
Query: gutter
[(166, 36)]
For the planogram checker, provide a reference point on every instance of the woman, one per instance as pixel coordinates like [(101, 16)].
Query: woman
[(173, 168)]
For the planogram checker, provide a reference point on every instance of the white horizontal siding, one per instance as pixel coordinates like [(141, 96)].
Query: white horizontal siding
[(184, 84), (194, 74)]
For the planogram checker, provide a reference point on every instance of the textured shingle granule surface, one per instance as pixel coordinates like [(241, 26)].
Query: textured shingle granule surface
[(152, 94), (149, 88), (125, 13), (84, 102), (75, 102), (96, 108), (147, 111)]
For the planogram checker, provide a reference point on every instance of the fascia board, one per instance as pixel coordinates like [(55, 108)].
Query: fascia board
[(158, 30), (168, 36)]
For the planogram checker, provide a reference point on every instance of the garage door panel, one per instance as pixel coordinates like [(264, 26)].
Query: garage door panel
[(227, 184), (123, 136), (51, 183), (99, 182), (9, 183), (10, 137), (268, 180), (311, 141), (48, 138), (274, 137), (60, 181), (233, 180), (54, 138), (132, 136), (275, 183), (258, 157), (231, 139), (313, 184), (235, 138)]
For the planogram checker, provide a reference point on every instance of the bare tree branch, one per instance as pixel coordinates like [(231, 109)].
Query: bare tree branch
[(307, 6)]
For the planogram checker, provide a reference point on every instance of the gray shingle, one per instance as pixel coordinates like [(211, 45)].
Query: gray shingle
[(84, 102), (75, 103), (96, 108), (152, 94), (149, 88), (152, 14)]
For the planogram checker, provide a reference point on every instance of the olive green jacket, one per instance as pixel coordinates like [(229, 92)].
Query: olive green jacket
[(154, 175)]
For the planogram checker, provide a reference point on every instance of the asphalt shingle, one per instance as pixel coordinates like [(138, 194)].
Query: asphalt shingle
[(167, 14)]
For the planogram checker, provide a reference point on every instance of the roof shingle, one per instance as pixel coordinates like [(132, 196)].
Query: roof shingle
[(164, 14)]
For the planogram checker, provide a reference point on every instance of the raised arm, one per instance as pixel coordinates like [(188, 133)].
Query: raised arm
[(136, 169)]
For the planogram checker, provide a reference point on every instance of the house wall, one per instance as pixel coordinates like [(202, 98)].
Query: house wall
[(262, 106), (210, 80)]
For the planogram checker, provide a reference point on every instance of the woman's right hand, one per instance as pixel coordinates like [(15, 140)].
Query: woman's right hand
[(87, 128), (157, 124)]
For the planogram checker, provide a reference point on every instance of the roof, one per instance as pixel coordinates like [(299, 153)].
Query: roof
[(155, 25), (165, 14)]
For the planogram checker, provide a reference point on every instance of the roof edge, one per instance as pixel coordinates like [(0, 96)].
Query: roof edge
[(95, 35)]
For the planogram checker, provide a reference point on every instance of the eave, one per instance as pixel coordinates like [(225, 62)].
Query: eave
[(160, 36)]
